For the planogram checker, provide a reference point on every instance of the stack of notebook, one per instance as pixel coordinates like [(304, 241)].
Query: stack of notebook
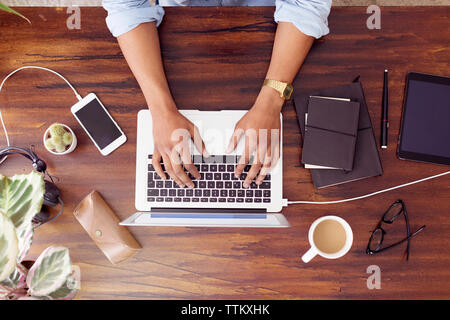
[(338, 141), (331, 125)]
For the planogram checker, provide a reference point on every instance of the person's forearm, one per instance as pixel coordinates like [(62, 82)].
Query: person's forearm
[(290, 48), (141, 49), (289, 51)]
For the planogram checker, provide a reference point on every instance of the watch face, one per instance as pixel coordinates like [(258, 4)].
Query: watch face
[(287, 92)]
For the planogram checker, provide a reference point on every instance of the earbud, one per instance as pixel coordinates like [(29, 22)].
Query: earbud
[(51, 196), (42, 216), (39, 165)]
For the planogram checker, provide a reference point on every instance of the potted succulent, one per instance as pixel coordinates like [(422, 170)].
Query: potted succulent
[(59, 139), (51, 276)]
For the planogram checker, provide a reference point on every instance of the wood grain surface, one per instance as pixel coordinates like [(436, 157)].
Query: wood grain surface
[(216, 58)]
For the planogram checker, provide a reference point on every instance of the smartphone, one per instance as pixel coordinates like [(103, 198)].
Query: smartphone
[(98, 124)]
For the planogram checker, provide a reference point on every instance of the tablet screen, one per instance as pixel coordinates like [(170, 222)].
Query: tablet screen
[(426, 118)]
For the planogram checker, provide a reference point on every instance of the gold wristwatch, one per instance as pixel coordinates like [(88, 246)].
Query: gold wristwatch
[(285, 89)]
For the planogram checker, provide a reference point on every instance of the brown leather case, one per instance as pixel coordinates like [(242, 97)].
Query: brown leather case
[(102, 225)]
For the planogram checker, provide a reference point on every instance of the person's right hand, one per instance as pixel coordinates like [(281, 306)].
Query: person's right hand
[(171, 135)]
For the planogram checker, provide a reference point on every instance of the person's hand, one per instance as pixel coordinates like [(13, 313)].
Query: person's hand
[(261, 126), (171, 135)]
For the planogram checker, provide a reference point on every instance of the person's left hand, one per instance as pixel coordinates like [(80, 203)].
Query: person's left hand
[(261, 126)]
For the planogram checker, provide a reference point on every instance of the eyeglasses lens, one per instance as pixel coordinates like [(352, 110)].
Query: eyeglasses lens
[(393, 212), (375, 242)]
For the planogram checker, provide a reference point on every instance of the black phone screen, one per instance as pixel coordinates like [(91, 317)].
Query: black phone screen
[(98, 123), (425, 132)]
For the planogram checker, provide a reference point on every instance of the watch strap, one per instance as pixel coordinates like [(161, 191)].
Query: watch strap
[(285, 89)]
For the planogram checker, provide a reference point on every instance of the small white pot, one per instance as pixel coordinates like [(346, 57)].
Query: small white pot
[(72, 146)]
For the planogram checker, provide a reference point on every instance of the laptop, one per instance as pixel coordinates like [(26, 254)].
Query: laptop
[(218, 198)]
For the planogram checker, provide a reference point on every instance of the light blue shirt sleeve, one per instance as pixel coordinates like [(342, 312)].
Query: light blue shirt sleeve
[(125, 15), (309, 16)]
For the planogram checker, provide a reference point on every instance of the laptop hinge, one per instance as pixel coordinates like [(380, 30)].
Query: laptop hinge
[(208, 210)]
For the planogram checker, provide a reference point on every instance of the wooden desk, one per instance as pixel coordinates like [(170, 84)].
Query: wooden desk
[(216, 58)]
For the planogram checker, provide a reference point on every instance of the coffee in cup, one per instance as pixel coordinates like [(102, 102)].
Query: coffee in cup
[(330, 237)]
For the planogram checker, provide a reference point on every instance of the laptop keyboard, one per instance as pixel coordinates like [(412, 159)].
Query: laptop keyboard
[(217, 184)]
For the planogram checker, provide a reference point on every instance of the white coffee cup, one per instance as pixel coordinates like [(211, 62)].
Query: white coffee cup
[(313, 251)]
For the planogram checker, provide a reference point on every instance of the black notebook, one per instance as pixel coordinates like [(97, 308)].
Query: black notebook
[(330, 133), (366, 162)]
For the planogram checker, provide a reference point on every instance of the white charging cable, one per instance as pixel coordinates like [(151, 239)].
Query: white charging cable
[(370, 194), (22, 68)]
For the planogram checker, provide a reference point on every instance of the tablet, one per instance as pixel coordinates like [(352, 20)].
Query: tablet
[(425, 129)]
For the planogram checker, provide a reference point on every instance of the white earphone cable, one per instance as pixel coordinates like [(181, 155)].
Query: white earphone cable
[(22, 68), (370, 194)]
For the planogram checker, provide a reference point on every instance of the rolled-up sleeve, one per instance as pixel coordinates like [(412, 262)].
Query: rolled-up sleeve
[(125, 15), (309, 16)]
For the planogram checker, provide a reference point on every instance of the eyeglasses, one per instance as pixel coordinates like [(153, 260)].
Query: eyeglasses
[(396, 209)]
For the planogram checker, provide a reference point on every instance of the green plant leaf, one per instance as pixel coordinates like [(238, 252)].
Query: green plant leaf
[(17, 279), (21, 197), (25, 239), (33, 298), (4, 7), (9, 248), (69, 289), (4, 292), (49, 272)]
